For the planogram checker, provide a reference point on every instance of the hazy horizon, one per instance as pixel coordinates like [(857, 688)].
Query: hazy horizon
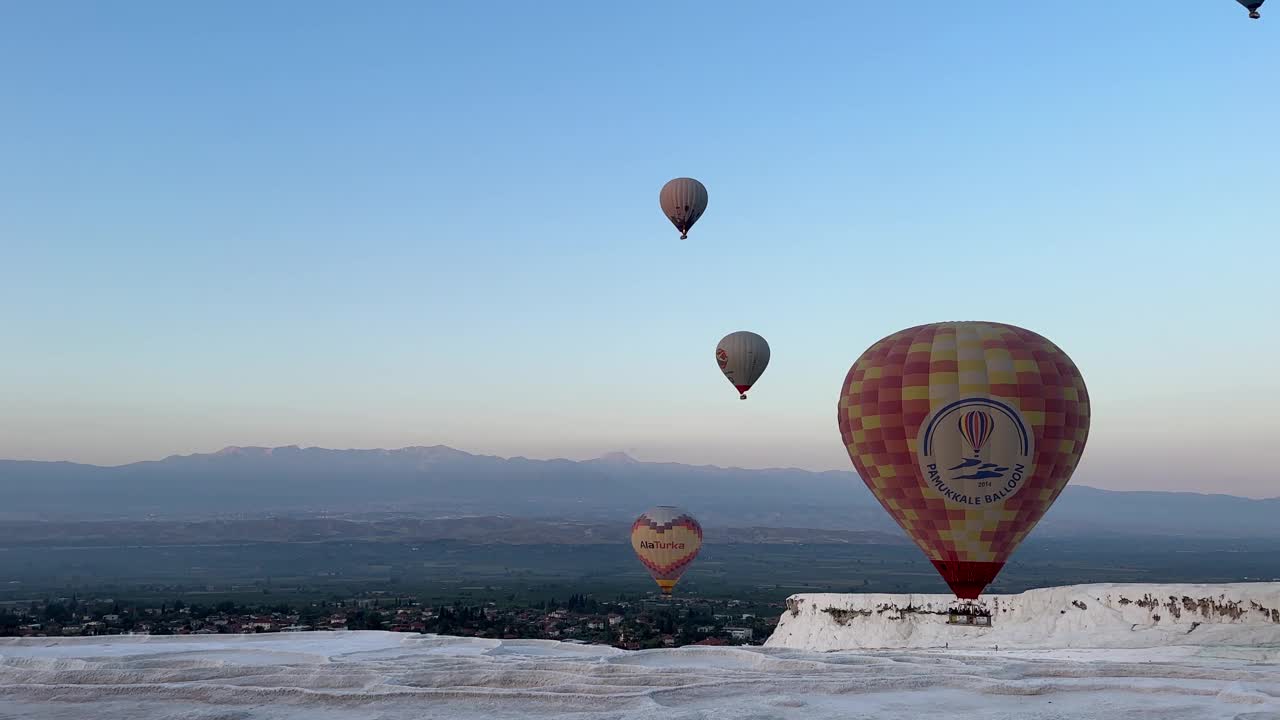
[(438, 224), (633, 453)]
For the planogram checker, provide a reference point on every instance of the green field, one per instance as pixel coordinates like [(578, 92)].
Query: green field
[(447, 570)]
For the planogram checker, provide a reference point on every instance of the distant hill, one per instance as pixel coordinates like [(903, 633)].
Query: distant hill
[(484, 530), (440, 481)]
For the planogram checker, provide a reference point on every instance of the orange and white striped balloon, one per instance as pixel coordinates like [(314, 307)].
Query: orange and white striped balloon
[(666, 539)]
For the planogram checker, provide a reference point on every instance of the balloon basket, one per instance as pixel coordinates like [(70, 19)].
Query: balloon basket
[(970, 615)]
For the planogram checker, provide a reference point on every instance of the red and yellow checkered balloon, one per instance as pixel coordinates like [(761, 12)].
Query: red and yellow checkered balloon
[(966, 432)]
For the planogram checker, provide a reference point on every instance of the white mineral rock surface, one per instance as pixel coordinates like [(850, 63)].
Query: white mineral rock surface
[(1110, 659)]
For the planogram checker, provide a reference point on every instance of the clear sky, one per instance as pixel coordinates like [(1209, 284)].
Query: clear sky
[(397, 223)]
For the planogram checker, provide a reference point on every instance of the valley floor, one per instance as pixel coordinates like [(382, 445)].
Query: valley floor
[(389, 676)]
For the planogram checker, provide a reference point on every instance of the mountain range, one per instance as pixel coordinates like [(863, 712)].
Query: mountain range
[(438, 481), (475, 529)]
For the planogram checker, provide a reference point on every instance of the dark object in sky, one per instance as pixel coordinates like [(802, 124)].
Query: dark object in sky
[(683, 201), (1252, 6)]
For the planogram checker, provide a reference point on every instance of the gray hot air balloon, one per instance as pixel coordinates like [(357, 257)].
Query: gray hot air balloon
[(1252, 6), (683, 201), (742, 357)]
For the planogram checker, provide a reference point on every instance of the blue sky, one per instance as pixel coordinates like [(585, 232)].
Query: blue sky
[(396, 223)]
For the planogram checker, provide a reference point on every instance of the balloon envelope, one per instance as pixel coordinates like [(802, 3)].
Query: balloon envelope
[(742, 357), (666, 539), (966, 432), (683, 201)]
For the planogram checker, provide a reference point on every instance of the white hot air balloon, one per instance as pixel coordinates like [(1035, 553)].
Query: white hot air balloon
[(683, 201), (742, 357)]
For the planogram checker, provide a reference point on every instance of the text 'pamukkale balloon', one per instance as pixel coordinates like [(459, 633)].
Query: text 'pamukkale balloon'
[(683, 201), (666, 539), (966, 432), (742, 357)]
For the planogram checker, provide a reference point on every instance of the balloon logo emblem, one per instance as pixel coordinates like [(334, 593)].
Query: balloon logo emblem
[(979, 424), (722, 358), (975, 427)]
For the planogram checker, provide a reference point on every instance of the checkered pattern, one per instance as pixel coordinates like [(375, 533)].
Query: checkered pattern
[(896, 383), (666, 565)]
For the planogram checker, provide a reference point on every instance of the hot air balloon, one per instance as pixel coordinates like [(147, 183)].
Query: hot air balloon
[(742, 357), (1252, 6), (666, 539), (683, 201), (966, 432)]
